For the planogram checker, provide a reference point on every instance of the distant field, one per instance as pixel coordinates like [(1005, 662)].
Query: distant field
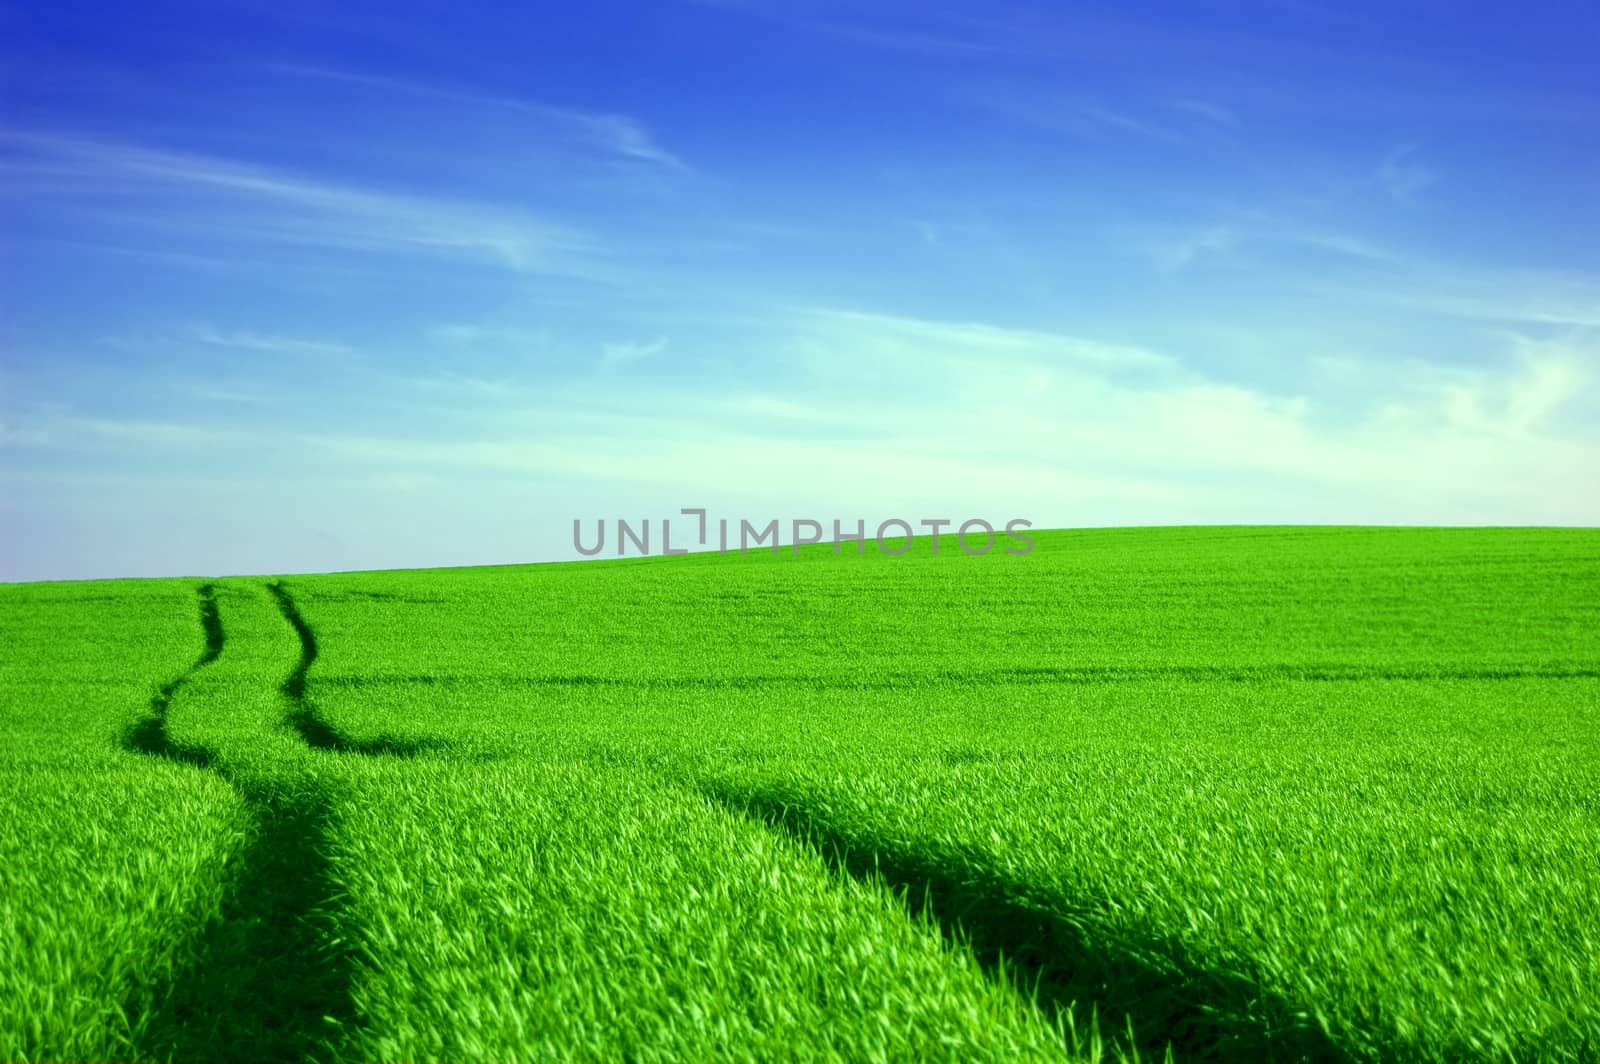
[(1228, 793)]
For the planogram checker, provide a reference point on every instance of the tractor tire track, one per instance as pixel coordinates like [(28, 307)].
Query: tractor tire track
[(149, 734), (303, 716), (268, 978), (1148, 996), (1032, 676)]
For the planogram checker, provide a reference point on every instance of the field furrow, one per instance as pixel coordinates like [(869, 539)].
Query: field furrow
[(265, 979), (302, 713), (1147, 991)]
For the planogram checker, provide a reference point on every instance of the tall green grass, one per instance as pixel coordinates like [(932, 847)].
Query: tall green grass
[(1226, 793), (110, 858)]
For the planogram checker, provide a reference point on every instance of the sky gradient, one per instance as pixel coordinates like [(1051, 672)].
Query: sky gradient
[(300, 286)]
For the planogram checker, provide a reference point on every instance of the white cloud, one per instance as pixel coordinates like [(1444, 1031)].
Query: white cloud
[(1173, 255), (910, 342), (1205, 109), (896, 412), (621, 355), (211, 394), (969, 37), (880, 413), (100, 431), (1049, 110), (261, 204), (266, 343), (1175, 247), (617, 134), (1539, 297)]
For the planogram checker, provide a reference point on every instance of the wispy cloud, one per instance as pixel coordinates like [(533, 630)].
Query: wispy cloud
[(1099, 117), (1541, 389), (1402, 176), (475, 388), (256, 203), (267, 343), (210, 393), (1177, 253), (1489, 295), (82, 431), (1181, 247), (947, 37), (1205, 109), (1358, 269), (984, 414), (617, 134), (620, 355), (1349, 245), (897, 342), (504, 337), (1058, 113), (887, 411)]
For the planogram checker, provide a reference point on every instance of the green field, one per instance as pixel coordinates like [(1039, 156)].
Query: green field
[(1228, 793)]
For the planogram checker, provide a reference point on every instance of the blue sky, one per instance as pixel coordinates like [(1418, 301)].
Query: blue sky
[(301, 286)]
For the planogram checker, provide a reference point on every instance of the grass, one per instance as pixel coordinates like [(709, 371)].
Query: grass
[(586, 912), (1248, 793), (109, 859)]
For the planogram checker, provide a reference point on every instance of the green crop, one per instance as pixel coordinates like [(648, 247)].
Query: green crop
[(1253, 793)]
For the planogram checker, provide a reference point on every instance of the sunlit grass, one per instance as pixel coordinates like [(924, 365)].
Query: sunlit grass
[(1298, 793)]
